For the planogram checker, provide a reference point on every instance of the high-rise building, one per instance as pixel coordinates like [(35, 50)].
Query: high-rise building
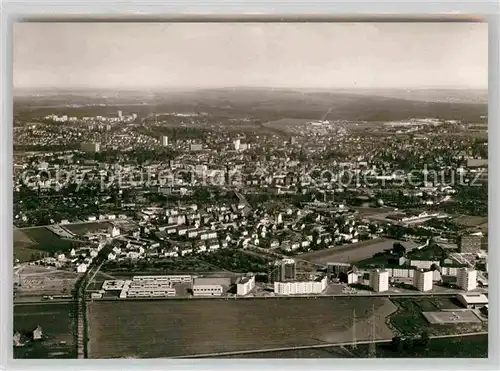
[(467, 279), (422, 280), (237, 143), (282, 271), (379, 280), (91, 147), (337, 268), (470, 244), (164, 141), (120, 115)]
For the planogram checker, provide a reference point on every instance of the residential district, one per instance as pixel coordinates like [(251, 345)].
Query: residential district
[(117, 208)]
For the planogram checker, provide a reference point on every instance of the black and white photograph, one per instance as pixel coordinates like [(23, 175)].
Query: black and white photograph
[(229, 190)]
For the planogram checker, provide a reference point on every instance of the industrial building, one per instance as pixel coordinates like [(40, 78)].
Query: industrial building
[(282, 271), (467, 279), (379, 280), (301, 287), (423, 280), (207, 290), (245, 285)]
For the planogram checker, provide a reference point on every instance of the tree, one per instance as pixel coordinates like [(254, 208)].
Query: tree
[(397, 344), (424, 339), (409, 343)]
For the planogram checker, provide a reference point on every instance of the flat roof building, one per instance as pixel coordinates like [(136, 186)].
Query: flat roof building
[(245, 286), (473, 300), (423, 280), (379, 280), (207, 290), (301, 287), (467, 279)]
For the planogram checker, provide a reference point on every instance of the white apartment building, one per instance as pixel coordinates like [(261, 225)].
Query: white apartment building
[(379, 280), (423, 280), (467, 279), (301, 287), (352, 278), (207, 290), (245, 286), (169, 278)]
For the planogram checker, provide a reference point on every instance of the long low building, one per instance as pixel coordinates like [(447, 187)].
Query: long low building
[(170, 278), (207, 290), (473, 300), (145, 289), (301, 287)]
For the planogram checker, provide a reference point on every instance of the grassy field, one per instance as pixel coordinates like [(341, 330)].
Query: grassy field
[(350, 253), (408, 319), (43, 242), (459, 347), (145, 329), (470, 220), (56, 323), (81, 229), (333, 352)]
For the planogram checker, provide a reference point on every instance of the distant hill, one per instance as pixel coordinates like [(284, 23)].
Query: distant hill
[(270, 104)]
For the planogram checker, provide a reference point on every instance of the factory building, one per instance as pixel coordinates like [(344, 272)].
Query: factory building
[(379, 280), (245, 286), (423, 280), (207, 290), (467, 279), (301, 287)]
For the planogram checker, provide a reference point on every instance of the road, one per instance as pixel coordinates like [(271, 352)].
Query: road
[(317, 346)]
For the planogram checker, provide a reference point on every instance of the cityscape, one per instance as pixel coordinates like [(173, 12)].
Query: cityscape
[(274, 213)]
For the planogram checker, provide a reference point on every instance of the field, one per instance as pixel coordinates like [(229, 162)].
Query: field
[(56, 323), (409, 320), (42, 242), (457, 347), (333, 352), (145, 329), (81, 229), (470, 221), (348, 253)]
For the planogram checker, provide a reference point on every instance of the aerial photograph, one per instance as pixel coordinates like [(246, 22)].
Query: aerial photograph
[(250, 190)]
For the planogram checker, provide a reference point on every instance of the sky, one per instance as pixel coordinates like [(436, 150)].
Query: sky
[(201, 55)]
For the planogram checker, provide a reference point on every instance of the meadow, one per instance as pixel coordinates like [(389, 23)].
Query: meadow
[(148, 329)]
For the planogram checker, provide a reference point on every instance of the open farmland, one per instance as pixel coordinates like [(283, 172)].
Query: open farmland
[(56, 322), (350, 253), (146, 329)]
